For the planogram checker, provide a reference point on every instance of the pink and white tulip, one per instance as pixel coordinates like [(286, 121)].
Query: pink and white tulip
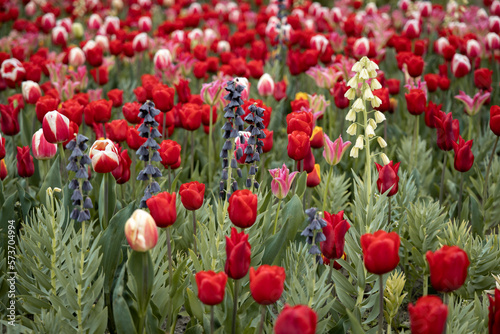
[(141, 231), (55, 127), (145, 24), (41, 148), (140, 42), (265, 86), (76, 57), (473, 49), (493, 41), (282, 181), (31, 91), (95, 22), (162, 59), (473, 104), (104, 156), (333, 151)]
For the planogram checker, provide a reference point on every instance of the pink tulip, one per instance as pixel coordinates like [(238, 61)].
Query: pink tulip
[(474, 104), (282, 181), (42, 149), (361, 47), (213, 94), (265, 86), (334, 150)]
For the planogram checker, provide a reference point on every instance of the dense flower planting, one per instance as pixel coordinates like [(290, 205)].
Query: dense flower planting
[(172, 166)]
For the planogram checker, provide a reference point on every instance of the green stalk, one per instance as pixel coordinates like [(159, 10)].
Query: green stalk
[(389, 213), (79, 288), (277, 214), (106, 200), (460, 195), (426, 285), (368, 167), (327, 185), (262, 318), (228, 185), (62, 154), (441, 188), (194, 231), (488, 170), (210, 129), (414, 143), (471, 120), (235, 306), (170, 273), (192, 152), (211, 319), (381, 313), (54, 245)]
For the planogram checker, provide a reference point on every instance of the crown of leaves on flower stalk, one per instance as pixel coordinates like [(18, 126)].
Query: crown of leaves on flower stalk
[(80, 184), (148, 152), (254, 148), (362, 85), (234, 123), (314, 232)]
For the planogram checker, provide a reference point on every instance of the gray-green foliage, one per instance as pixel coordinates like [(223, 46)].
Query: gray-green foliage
[(59, 282)]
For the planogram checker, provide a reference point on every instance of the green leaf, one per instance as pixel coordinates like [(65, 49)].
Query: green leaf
[(140, 266), (477, 221), (123, 318), (52, 179), (111, 195), (292, 218), (355, 325), (301, 184), (195, 307)]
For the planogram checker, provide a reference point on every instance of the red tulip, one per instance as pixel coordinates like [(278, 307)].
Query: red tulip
[(2, 147), (495, 119), (100, 75), (415, 66), (190, 115), (205, 115), (242, 208), (267, 283), (494, 313), (448, 130), (25, 165), (268, 141), (334, 231), (9, 120), (55, 127), (163, 209), (300, 121), (131, 112), (104, 156), (183, 91), (431, 112), (42, 149), (448, 268), (211, 287), (387, 178), (163, 97), (317, 137), (134, 140), (415, 101), (98, 111), (237, 254), (464, 159), (380, 251), (393, 85), (279, 90), (93, 53), (170, 153), (298, 145), (428, 315), (117, 130), (122, 172), (192, 195), (116, 96), (299, 319), (383, 95), (73, 110), (432, 81), (314, 177), (44, 105), (3, 170), (31, 91), (482, 78)]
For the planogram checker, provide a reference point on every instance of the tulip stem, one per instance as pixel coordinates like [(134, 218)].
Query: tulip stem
[(210, 126), (211, 319), (277, 214), (446, 301), (235, 306), (262, 318), (64, 173), (163, 133), (368, 167), (194, 231), (389, 213), (169, 251), (460, 195), (414, 145), (330, 278), (471, 120), (192, 152), (381, 313), (441, 188), (426, 285), (325, 192), (169, 178), (106, 195), (488, 170)]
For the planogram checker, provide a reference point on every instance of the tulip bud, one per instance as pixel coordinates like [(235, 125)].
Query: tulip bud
[(296, 319), (140, 42), (31, 91), (77, 30), (211, 287), (76, 57), (162, 59), (3, 170), (59, 36), (94, 22), (104, 156), (265, 86), (144, 24), (48, 22), (25, 165), (361, 47), (55, 127), (141, 231), (493, 41), (428, 315), (42, 149)]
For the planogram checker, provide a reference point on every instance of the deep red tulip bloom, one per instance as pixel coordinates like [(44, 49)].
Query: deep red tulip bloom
[(99, 110), (122, 172), (268, 141), (495, 119), (116, 96), (141, 94), (300, 121), (380, 251), (242, 208), (73, 110), (238, 254), (94, 55), (211, 287), (464, 159), (393, 85), (383, 95), (104, 156), (44, 105), (428, 315), (2, 147), (448, 268), (431, 112), (162, 208), (170, 152), (267, 283), (117, 130), (192, 195), (205, 114), (298, 145), (299, 319), (279, 90), (482, 78), (494, 313), (314, 177), (9, 120), (25, 165), (131, 112), (415, 66), (100, 75), (134, 140), (415, 101), (387, 178), (183, 91), (163, 97), (334, 231), (432, 81), (448, 130), (190, 115), (3, 170)]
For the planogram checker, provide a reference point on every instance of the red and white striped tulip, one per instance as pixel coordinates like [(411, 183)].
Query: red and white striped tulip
[(141, 231), (59, 36), (473, 49), (144, 24), (265, 86), (95, 22), (31, 91), (76, 57), (104, 156), (55, 127), (493, 41), (460, 65), (162, 59), (41, 148), (140, 42)]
